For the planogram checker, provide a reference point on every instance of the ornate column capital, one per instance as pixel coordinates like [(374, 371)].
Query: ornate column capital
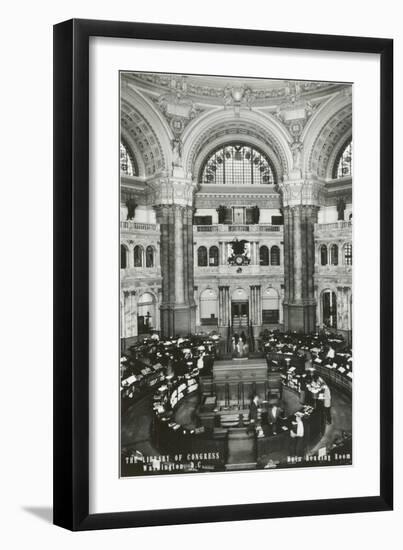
[(302, 192), (167, 190)]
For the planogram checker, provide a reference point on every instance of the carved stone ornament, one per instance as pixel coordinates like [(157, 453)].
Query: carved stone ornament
[(301, 192), (238, 96), (178, 109), (172, 190)]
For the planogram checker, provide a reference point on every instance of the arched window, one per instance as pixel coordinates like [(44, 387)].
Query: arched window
[(275, 255), (237, 164), (348, 254), (138, 256), (344, 162), (334, 254), (123, 256), (264, 255), (213, 256), (149, 256), (323, 255), (202, 256), (128, 165)]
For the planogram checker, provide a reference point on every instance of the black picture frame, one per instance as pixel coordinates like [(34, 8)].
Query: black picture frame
[(71, 273)]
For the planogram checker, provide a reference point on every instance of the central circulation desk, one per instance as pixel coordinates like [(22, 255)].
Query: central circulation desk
[(236, 381)]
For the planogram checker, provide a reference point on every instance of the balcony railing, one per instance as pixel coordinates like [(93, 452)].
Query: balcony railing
[(237, 228), (136, 226), (335, 225)]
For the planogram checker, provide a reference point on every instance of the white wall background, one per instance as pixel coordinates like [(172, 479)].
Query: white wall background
[(26, 276)]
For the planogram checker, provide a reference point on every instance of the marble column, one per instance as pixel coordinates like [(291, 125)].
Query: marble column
[(176, 252), (224, 306), (297, 222), (179, 250), (259, 305), (300, 207), (221, 320), (252, 304), (281, 306)]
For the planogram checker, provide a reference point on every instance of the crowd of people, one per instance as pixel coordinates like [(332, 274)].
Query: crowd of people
[(171, 367), (152, 361), (307, 350), (239, 345)]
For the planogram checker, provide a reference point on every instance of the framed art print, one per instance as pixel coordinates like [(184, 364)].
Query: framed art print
[(223, 274)]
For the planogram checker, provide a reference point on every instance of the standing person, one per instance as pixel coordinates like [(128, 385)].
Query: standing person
[(200, 361), (240, 347), (327, 401), (297, 433), (273, 415), (253, 410), (254, 416)]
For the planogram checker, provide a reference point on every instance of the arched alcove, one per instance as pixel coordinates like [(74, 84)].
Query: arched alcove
[(146, 312), (257, 129), (208, 307), (270, 306)]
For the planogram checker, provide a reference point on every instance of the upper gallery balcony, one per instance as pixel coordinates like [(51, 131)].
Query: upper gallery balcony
[(130, 226), (238, 228), (339, 228)]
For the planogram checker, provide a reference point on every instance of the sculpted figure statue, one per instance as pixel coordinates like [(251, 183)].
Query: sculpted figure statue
[(296, 149), (176, 152)]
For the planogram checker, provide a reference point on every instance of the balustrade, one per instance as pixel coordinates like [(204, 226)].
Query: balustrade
[(137, 226), (237, 228)]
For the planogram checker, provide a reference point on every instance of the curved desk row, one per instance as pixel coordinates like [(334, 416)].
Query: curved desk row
[(210, 441), (199, 445)]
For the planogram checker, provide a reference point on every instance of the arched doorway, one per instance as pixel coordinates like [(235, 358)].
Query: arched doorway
[(240, 309), (146, 311), (329, 309)]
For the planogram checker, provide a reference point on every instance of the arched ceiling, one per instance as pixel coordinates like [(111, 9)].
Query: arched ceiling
[(201, 112), (329, 140), (135, 125), (216, 90)]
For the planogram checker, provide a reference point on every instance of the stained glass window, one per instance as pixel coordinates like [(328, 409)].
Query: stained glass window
[(237, 164), (127, 162), (344, 164)]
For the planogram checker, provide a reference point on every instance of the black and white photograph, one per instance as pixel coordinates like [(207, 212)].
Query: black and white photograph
[(236, 258)]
